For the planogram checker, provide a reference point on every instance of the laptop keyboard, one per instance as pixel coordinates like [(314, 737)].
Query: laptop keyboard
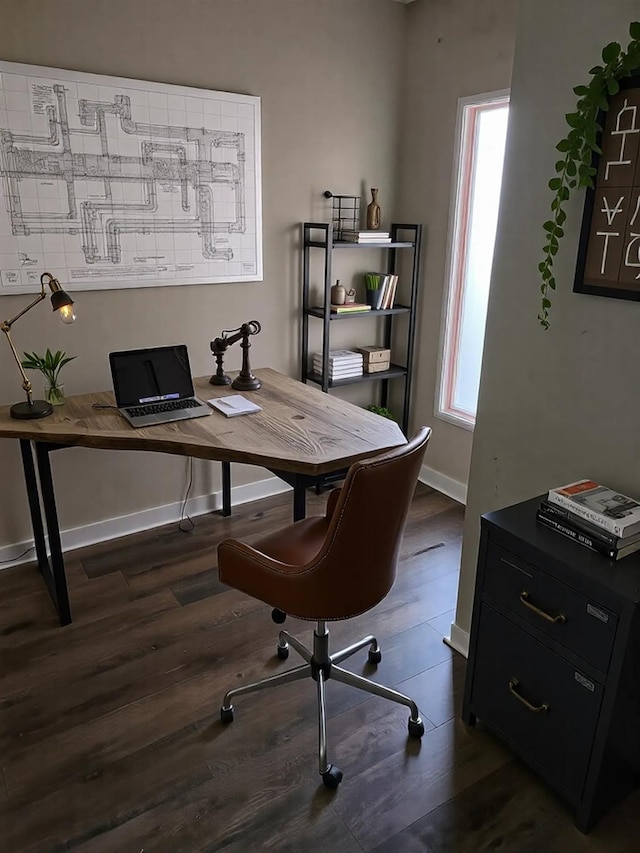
[(157, 408)]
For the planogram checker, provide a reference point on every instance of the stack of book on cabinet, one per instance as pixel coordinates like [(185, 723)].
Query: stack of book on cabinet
[(594, 516), (365, 236), (343, 364)]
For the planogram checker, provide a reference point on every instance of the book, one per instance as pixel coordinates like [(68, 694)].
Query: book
[(389, 290), (350, 308), (334, 371), (560, 513), (600, 505), (371, 235), (234, 405), (341, 355), (365, 238), (592, 542)]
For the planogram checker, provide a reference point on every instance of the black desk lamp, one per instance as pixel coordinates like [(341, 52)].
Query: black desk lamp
[(61, 302), (245, 380)]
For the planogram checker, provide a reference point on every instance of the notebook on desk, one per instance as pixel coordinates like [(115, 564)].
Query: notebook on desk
[(154, 385)]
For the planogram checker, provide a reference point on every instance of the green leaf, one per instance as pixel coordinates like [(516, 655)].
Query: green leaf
[(634, 29), (571, 168), (555, 184), (573, 119), (611, 52), (613, 87), (542, 266), (546, 303), (549, 225), (581, 90), (563, 145), (596, 70), (560, 217), (560, 165)]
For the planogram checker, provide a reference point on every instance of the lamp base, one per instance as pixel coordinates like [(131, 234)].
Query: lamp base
[(220, 380), (26, 412), (246, 383)]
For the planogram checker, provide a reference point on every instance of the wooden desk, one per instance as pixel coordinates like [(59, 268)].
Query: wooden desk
[(299, 435)]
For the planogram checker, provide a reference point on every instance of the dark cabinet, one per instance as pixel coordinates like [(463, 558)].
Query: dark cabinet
[(554, 658), (320, 236)]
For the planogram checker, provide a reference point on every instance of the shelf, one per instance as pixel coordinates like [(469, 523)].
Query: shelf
[(322, 236), (320, 244), (319, 312), (394, 371)]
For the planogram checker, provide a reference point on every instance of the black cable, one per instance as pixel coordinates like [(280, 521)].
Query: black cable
[(183, 514)]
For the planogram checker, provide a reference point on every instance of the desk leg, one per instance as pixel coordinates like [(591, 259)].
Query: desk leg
[(52, 569), (299, 497), (226, 489)]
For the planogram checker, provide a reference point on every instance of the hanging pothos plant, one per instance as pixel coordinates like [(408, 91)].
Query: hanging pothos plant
[(576, 169)]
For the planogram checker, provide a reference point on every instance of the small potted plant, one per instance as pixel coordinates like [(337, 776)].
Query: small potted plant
[(50, 365)]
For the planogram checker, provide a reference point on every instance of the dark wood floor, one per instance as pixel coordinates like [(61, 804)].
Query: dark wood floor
[(110, 737)]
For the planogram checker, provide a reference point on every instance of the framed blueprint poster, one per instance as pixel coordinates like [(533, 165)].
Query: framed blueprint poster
[(109, 183), (609, 249)]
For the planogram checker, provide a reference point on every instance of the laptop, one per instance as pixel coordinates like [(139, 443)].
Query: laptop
[(154, 385)]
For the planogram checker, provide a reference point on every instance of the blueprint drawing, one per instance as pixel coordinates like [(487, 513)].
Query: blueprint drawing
[(109, 182)]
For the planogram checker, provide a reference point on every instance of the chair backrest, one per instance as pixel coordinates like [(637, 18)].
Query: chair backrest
[(359, 556)]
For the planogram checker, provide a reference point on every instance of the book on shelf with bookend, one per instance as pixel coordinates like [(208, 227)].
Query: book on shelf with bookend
[(381, 289), (594, 516)]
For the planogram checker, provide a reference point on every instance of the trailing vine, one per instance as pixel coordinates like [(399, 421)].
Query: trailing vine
[(578, 147)]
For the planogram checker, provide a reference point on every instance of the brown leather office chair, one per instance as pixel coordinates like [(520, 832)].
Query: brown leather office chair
[(332, 567)]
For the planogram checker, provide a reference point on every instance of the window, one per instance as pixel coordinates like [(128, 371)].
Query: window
[(481, 135)]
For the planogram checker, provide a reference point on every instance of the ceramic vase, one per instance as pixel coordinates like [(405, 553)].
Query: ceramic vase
[(373, 212)]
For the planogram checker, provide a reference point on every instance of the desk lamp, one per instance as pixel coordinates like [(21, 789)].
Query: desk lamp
[(245, 380), (61, 302)]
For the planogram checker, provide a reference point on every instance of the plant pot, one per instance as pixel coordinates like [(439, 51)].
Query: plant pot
[(374, 297), (54, 394)]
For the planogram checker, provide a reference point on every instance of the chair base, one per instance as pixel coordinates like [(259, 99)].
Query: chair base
[(321, 666)]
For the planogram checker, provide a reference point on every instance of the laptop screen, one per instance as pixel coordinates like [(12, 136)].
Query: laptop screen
[(151, 375)]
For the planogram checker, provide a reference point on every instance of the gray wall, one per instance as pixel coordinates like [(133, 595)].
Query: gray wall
[(455, 48), (559, 405), (329, 75)]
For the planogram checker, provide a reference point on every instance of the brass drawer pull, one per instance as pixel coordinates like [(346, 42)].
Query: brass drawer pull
[(537, 709), (524, 598)]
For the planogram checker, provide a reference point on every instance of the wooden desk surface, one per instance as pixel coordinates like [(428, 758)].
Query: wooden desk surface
[(300, 429)]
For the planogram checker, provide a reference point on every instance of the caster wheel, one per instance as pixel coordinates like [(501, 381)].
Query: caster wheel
[(332, 776), (375, 657), (226, 714), (283, 652), (416, 728), (278, 616)]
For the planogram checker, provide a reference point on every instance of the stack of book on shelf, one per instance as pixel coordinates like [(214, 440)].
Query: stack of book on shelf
[(343, 364), (594, 516), (381, 289), (350, 308), (348, 236)]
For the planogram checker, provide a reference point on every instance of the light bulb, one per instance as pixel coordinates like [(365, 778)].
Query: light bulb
[(67, 315)]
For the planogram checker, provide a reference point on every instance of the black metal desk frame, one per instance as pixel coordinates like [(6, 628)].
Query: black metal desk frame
[(44, 514)]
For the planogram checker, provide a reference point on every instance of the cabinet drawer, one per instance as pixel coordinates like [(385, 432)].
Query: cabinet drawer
[(581, 625), (546, 709)]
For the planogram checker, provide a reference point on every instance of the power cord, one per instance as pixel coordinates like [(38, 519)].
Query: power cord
[(184, 515)]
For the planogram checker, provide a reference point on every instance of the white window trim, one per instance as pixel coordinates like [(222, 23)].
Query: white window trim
[(452, 241)]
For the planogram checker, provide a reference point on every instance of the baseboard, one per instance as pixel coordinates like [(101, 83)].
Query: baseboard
[(441, 483), (459, 640), (102, 531)]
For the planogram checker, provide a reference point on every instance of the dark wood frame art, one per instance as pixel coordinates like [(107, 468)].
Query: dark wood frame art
[(582, 281)]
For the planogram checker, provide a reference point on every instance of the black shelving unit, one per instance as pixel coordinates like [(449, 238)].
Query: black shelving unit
[(321, 236)]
